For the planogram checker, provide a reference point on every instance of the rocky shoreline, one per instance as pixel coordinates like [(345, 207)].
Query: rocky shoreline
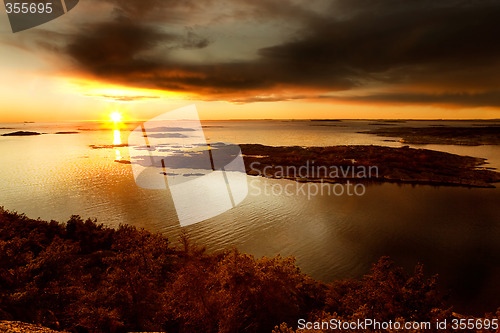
[(20, 327)]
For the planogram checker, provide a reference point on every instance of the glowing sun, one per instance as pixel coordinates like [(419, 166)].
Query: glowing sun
[(116, 117)]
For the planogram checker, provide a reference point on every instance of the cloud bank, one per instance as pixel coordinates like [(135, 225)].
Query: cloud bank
[(441, 53)]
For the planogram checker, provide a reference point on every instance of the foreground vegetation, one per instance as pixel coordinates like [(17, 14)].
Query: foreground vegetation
[(83, 277)]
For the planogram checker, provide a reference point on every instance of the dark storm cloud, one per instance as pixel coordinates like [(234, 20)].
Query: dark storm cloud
[(348, 44), (126, 51), (118, 47), (111, 47), (175, 11), (426, 35)]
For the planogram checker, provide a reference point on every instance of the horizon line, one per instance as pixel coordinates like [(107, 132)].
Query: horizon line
[(267, 119)]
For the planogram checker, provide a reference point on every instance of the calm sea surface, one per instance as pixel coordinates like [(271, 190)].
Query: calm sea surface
[(453, 231)]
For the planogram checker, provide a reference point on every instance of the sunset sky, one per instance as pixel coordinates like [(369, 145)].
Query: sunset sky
[(239, 59)]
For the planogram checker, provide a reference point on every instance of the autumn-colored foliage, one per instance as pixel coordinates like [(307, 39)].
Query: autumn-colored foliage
[(83, 277)]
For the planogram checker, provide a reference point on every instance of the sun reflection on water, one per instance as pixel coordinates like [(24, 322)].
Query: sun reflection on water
[(118, 155), (117, 140)]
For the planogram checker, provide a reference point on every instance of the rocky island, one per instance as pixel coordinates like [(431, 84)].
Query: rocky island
[(21, 133), (367, 164), (339, 164)]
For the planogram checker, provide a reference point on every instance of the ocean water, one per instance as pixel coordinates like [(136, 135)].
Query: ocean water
[(453, 231)]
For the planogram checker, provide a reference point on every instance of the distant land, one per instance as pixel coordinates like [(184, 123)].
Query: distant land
[(465, 136)]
